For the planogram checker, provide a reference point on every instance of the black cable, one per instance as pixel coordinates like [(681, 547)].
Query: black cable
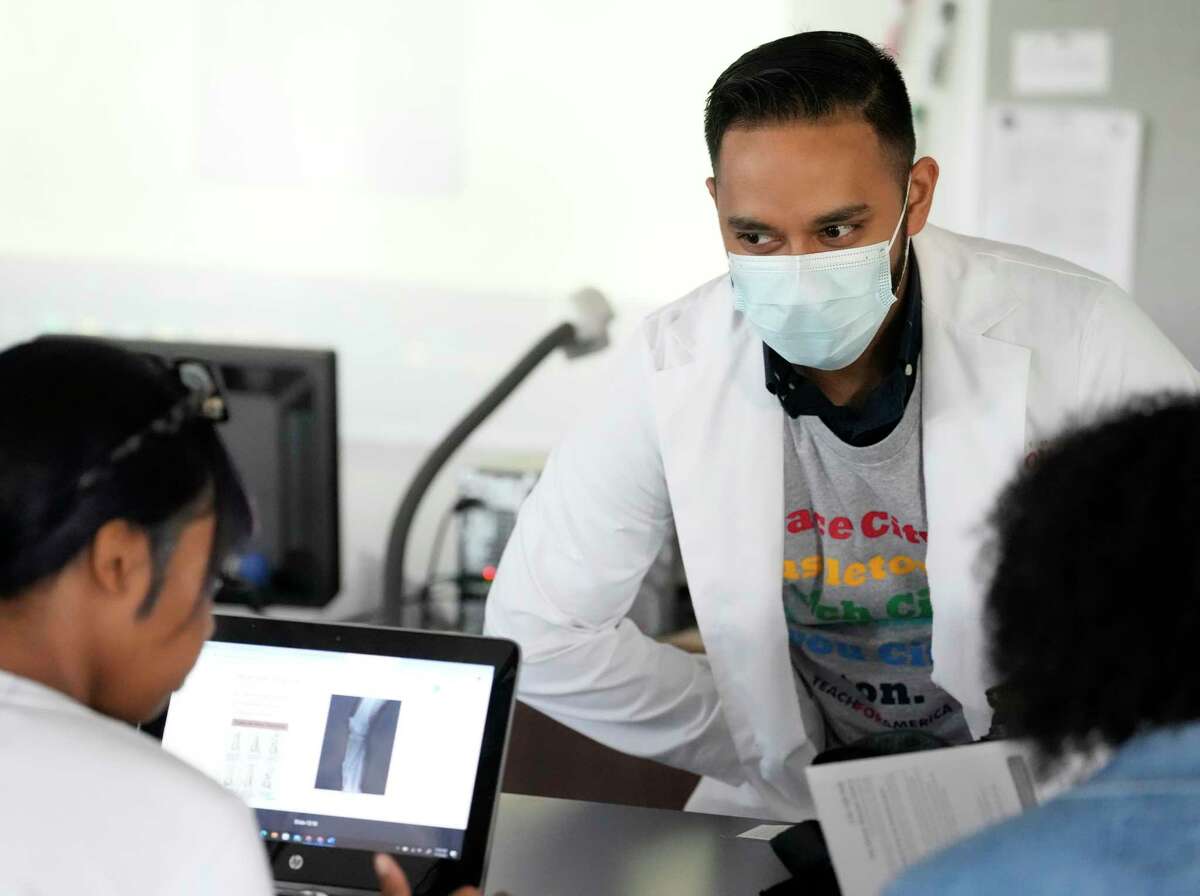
[(393, 568), (435, 554)]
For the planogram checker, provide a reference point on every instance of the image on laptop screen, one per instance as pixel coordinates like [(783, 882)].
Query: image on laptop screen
[(345, 750)]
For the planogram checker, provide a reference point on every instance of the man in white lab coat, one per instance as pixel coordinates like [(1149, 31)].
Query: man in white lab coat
[(825, 427)]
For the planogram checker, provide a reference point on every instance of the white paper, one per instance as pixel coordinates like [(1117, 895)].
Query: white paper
[(881, 815), (764, 831), (1062, 61), (1065, 181)]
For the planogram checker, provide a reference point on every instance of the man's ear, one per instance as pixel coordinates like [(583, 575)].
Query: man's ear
[(920, 196), (711, 183), (119, 563)]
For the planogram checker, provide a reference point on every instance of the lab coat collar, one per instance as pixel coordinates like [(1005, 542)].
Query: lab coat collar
[(721, 428), (973, 430), (964, 296)]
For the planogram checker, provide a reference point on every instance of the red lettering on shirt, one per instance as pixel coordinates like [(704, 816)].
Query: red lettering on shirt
[(875, 524), (799, 521), (841, 528)]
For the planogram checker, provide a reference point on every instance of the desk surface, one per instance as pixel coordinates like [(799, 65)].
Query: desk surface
[(546, 847)]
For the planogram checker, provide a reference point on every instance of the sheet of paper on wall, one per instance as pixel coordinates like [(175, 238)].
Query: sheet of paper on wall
[(1065, 181), (1062, 61), (881, 815)]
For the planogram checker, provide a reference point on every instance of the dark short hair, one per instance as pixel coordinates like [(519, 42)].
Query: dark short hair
[(69, 403), (810, 76), (1094, 607)]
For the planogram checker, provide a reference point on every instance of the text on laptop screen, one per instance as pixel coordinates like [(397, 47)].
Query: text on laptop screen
[(338, 749)]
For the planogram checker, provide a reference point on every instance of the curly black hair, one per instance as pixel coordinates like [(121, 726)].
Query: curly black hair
[(1094, 607)]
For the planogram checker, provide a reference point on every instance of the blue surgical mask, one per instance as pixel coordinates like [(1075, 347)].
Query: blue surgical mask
[(822, 309)]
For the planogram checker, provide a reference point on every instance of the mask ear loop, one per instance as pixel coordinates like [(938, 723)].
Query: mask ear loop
[(907, 241)]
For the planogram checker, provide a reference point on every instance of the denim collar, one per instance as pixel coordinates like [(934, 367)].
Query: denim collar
[(1171, 753)]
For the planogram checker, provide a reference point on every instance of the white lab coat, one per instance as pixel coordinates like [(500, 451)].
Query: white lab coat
[(1016, 345)]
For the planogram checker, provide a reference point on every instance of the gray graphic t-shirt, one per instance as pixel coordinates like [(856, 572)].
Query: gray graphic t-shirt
[(855, 592)]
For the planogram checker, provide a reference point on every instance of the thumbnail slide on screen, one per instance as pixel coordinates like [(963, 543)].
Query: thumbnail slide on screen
[(356, 753), (252, 758)]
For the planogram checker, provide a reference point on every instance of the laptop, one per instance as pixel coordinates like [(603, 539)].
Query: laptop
[(349, 740)]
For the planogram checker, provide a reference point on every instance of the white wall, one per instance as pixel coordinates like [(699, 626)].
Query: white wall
[(413, 184), (950, 112), (571, 133)]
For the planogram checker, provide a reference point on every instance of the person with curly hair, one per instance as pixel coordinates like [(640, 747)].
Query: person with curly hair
[(1094, 612)]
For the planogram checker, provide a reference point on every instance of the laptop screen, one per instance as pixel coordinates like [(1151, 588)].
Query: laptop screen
[(345, 750)]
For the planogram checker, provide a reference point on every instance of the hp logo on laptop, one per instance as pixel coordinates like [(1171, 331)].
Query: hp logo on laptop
[(296, 862)]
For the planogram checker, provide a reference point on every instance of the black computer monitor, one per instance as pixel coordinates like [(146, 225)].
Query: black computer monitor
[(282, 434)]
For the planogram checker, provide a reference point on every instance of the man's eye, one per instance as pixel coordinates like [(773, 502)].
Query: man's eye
[(837, 231), (754, 239)]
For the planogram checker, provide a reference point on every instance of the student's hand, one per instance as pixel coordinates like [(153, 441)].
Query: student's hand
[(392, 881)]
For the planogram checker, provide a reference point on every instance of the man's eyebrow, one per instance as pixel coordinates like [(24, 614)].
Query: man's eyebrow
[(740, 222), (840, 215)]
